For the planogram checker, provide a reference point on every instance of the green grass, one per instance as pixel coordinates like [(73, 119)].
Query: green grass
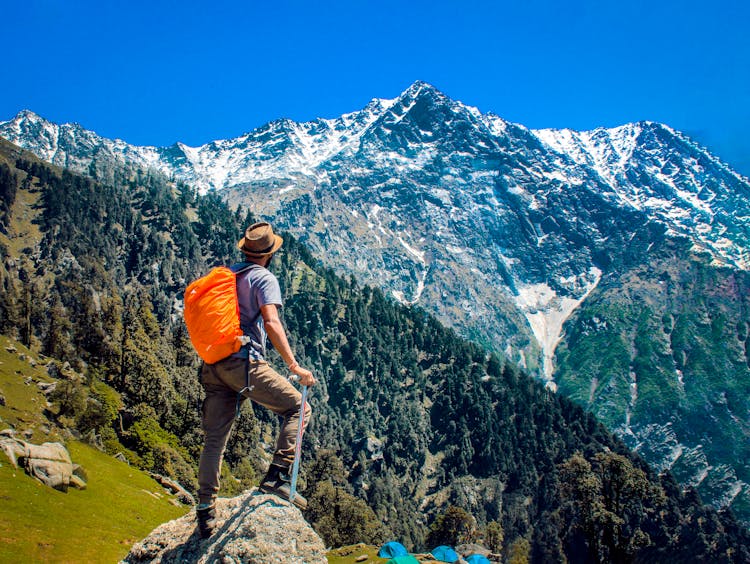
[(120, 506), (24, 403), (99, 524), (349, 554)]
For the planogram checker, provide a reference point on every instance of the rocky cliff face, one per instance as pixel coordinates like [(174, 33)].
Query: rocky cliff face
[(252, 528), (505, 233)]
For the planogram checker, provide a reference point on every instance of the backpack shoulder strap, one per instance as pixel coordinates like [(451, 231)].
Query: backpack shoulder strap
[(241, 267)]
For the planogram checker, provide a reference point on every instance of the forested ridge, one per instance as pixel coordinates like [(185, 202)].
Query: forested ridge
[(414, 427)]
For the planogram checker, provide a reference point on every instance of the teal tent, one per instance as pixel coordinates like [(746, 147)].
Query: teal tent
[(405, 559), (477, 559), (444, 554), (392, 549)]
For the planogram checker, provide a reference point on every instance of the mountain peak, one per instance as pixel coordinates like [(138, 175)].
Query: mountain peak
[(28, 115), (421, 89), (421, 85)]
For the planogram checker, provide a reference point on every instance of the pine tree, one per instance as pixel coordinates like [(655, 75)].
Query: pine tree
[(454, 526)]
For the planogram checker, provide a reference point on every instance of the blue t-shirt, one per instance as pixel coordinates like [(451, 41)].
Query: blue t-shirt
[(256, 287)]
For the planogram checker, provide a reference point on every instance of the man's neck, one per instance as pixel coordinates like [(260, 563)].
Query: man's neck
[(259, 261)]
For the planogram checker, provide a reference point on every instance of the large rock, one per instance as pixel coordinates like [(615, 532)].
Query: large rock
[(252, 528), (182, 494), (49, 462)]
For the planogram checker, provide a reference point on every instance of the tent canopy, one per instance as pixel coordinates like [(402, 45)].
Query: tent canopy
[(444, 553), (392, 549), (405, 559)]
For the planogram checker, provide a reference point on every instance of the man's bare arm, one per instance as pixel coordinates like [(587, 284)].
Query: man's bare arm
[(277, 336)]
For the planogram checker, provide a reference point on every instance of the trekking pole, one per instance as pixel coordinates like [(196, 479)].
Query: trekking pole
[(298, 444)]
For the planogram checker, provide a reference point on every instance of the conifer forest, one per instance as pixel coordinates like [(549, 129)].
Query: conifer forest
[(418, 435)]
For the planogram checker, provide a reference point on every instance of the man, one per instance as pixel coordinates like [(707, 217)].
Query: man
[(246, 374)]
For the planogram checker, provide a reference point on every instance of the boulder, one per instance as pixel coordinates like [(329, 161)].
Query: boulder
[(13, 448), (49, 463), (169, 484), (94, 440), (251, 528), (472, 548), (46, 387), (27, 358), (53, 370)]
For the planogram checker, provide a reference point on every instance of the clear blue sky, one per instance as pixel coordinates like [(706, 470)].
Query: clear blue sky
[(153, 73)]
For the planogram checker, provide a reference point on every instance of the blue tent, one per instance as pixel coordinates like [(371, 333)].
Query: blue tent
[(392, 549), (444, 553), (477, 559)]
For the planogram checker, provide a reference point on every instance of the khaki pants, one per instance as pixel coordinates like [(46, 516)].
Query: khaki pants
[(222, 382)]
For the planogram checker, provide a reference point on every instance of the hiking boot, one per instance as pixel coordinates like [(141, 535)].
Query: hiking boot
[(278, 482), (206, 520)]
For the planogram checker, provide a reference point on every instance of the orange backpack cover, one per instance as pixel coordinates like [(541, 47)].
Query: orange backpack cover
[(212, 315)]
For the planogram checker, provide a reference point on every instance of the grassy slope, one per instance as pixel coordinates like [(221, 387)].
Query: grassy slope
[(350, 554), (120, 506), (355, 554)]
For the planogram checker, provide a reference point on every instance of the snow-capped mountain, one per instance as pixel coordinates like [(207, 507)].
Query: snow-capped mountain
[(502, 231), (433, 188)]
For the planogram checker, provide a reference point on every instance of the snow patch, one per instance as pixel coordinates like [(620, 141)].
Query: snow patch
[(546, 312), (416, 253), (455, 250), (401, 297)]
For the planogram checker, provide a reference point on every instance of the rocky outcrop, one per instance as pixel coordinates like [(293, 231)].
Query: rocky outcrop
[(252, 528), (50, 463)]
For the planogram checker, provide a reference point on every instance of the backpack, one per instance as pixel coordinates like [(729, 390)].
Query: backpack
[(212, 314)]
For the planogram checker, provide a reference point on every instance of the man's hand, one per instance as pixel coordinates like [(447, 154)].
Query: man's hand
[(306, 377)]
